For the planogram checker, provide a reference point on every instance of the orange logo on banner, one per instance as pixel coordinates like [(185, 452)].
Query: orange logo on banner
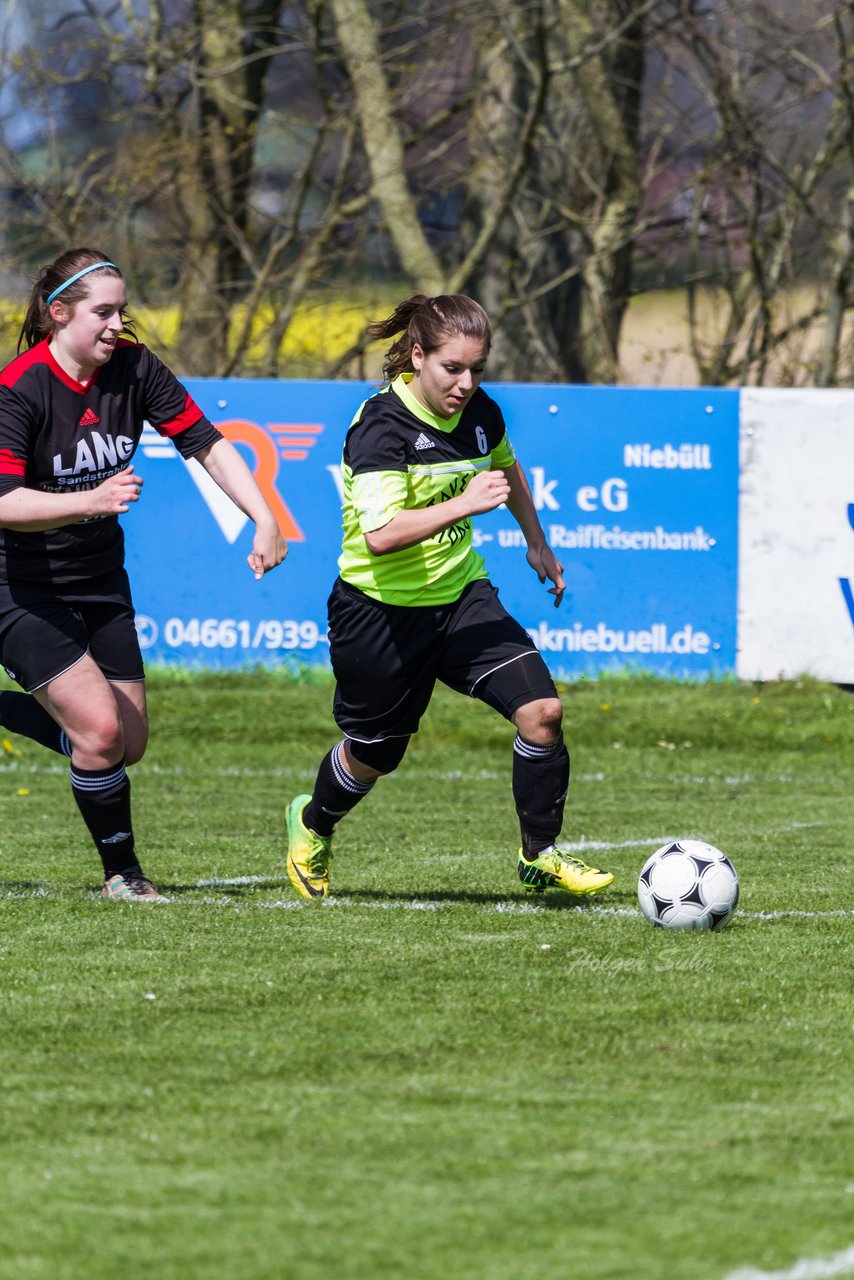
[(266, 469)]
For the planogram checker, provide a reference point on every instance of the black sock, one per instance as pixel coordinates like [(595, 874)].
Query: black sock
[(103, 798), (21, 713), (540, 782), (335, 793)]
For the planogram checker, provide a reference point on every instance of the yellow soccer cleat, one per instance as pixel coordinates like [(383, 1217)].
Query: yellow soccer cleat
[(308, 854), (555, 868)]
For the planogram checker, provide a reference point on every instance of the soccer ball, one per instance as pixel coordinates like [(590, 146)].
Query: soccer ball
[(688, 884)]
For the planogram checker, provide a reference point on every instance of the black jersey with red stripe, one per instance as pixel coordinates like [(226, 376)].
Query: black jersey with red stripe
[(60, 436)]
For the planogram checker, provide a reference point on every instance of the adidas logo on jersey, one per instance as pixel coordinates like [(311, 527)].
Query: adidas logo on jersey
[(89, 419), (424, 442)]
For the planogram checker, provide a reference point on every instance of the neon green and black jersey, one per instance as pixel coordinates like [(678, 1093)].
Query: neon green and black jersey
[(400, 456)]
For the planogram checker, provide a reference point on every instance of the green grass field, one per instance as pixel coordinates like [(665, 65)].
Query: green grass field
[(427, 1076)]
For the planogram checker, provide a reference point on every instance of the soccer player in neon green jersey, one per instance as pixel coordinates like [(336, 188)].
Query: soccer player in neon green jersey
[(413, 604)]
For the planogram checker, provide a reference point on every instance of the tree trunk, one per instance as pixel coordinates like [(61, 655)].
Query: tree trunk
[(839, 296), (384, 148), (611, 98), (214, 187)]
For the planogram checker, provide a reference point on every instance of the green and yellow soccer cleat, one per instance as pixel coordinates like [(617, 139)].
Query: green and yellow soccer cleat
[(308, 854), (555, 868)]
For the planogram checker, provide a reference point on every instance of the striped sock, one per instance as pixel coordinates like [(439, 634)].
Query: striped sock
[(335, 793), (103, 798), (21, 713), (540, 783)]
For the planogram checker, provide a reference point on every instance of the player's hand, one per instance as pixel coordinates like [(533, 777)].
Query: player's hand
[(487, 491), (546, 565), (268, 550), (115, 494)]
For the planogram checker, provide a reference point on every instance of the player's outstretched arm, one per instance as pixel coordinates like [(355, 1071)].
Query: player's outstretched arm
[(226, 468), (540, 556)]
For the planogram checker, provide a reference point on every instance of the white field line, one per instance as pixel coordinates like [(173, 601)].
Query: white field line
[(511, 906), (841, 1264), (236, 881)]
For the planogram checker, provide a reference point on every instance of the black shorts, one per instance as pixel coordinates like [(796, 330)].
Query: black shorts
[(387, 658), (46, 630)]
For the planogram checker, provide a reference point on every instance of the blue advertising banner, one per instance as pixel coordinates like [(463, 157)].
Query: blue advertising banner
[(637, 492)]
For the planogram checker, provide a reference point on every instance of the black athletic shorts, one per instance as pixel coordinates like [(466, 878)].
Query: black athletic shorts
[(387, 658), (46, 630)]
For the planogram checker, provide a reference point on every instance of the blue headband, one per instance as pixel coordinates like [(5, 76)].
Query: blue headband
[(72, 279)]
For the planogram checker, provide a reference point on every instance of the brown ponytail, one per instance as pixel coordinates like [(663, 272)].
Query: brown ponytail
[(429, 322)]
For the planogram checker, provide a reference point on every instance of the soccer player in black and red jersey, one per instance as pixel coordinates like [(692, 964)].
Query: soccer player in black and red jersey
[(72, 408), (412, 603)]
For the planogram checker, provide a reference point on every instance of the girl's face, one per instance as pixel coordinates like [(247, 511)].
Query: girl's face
[(447, 378), (87, 331)]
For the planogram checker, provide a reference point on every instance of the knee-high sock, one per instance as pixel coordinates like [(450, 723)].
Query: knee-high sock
[(540, 782), (335, 793), (21, 713), (103, 798)]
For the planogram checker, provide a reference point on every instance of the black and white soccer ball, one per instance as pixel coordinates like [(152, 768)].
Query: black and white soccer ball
[(688, 884)]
